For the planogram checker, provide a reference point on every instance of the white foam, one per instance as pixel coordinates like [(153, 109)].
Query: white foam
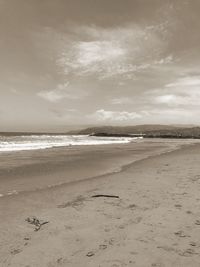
[(13, 192), (33, 142)]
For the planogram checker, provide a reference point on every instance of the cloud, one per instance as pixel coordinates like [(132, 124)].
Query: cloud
[(175, 100), (164, 60), (62, 91), (98, 51), (185, 81), (174, 115), (121, 100), (107, 52), (14, 91), (62, 113), (105, 115), (167, 99), (183, 91)]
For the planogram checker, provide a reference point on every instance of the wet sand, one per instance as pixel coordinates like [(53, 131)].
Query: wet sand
[(37, 169), (154, 222)]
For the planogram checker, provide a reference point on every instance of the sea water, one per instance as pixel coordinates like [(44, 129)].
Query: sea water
[(32, 142)]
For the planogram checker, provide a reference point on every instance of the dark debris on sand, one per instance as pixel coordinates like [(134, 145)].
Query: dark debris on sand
[(36, 222)]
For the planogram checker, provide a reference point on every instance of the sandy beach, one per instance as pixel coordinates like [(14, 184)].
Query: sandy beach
[(153, 218)]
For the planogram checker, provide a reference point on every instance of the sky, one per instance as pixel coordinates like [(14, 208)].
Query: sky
[(67, 63)]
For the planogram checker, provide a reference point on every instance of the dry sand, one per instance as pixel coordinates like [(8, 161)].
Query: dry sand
[(154, 222)]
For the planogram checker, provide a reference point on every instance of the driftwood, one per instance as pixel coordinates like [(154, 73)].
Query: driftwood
[(112, 196), (35, 221)]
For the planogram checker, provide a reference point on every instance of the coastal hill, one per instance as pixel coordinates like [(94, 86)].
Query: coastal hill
[(147, 130), (164, 131)]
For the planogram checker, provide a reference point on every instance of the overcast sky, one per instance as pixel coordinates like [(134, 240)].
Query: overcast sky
[(83, 62)]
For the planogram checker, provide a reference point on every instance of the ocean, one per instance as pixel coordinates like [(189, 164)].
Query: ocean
[(43, 141)]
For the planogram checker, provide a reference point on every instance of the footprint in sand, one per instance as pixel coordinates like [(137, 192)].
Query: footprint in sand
[(93, 252), (188, 252), (132, 206), (181, 234), (102, 247), (195, 178), (90, 254), (116, 263), (193, 244), (16, 251), (178, 206), (189, 212), (74, 203)]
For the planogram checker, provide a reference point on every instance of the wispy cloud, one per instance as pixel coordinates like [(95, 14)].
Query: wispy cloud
[(109, 116), (98, 51), (121, 101), (113, 51), (62, 91), (14, 91), (167, 99), (182, 92), (62, 113), (185, 82)]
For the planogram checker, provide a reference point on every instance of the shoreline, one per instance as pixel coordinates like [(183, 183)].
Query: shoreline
[(116, 168)]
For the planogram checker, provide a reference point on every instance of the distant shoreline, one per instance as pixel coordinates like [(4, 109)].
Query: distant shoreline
[(32, 169), (146, 131), (145, 136)]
